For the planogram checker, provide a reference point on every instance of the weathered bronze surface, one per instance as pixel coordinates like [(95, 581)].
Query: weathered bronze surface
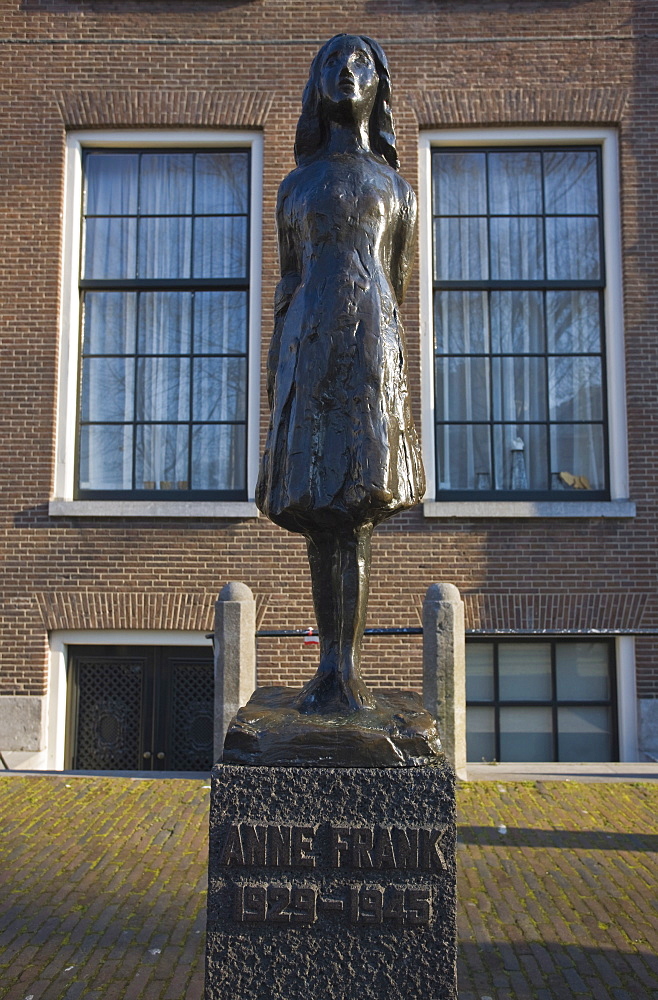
[(270, 729), (342, 453)]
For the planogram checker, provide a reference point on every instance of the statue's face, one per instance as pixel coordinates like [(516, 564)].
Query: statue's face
[(349, 78)]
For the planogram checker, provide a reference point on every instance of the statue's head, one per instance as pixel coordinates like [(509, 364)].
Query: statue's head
[(368, 60)]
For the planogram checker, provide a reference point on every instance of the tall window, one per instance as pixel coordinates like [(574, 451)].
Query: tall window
[(518, 323), (164, 316), (540, 701)]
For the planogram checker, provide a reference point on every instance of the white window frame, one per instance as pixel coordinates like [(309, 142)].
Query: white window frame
[(626, 693), (61, 639), (619, 504), (62, 501), (627, 706)]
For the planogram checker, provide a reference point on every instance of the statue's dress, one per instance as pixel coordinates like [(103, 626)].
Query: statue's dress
[(341, 447)]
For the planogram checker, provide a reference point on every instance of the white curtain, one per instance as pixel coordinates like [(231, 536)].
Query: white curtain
[(461, 254), (163, 391), (220, 390), (139, 370), (108, 376), (533, 200)]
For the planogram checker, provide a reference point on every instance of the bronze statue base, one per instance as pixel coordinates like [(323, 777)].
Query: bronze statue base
[(269, 730)]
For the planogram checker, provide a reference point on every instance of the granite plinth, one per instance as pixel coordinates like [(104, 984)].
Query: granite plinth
[(331, 883), (270, 730)]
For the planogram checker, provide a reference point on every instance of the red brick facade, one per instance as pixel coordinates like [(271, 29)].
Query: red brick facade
[(91, 64)]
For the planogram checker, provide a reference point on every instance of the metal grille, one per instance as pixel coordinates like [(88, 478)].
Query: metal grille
[(192, 710), (109, 711)]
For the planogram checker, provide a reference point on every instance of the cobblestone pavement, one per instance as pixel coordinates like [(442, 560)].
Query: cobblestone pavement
[(102, 889)]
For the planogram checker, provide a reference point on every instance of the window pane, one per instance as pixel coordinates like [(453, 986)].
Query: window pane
[(220, 322), (573, 322), (515, 183), (221, 183), (583, 672), (526, 734), (571, 182), (517, 322), (460, 185), (166, 184), (164, 248), (460, 322), (584, 733), (575, 388), (521, 457), (572, 248), (462, 388), (161, 453), (480, 733), (218, 457), (519, 389), (105, 457), (107, 389), (220, 247), (479, 671), (111, 183), (109, 322), (164, 322), (577, 453), (524, 671), (460, 249), (109, 248), (220, 388), (163, 389), (464, 457), (517, 249)]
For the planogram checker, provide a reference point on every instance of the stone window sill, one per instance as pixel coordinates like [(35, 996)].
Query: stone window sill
[(152, 508), (521, 508)]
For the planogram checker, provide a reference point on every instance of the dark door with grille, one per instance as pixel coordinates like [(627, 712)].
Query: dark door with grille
[(140, 708)]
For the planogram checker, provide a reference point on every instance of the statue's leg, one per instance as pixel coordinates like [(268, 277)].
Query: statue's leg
[(352, 585), (321, 693), (321, 554), (340, 566)]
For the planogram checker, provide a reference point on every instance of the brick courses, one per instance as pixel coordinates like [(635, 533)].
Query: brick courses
[(214, 64)]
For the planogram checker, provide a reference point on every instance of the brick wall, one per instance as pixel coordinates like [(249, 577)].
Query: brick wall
[(210, 63)]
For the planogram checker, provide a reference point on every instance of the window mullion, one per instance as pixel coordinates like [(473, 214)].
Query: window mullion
[(133, 432), (547, 380), (493, 484), (496, 701), (554, 712)]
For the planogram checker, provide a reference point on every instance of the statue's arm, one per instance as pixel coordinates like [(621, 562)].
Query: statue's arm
[(290, 278), (405, 241)]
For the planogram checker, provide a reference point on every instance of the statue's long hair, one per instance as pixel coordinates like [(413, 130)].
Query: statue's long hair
[(312, 128)]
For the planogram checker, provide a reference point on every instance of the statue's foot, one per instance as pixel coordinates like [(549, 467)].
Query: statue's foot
[(357, 695), (326, 693)]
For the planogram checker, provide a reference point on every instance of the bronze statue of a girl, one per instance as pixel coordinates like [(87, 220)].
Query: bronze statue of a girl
[(342, 453)]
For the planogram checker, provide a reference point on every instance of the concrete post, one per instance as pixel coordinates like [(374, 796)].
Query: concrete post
[(444, 669), (235, 656)]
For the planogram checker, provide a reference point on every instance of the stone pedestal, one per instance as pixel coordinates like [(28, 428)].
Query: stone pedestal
[(331, 882)]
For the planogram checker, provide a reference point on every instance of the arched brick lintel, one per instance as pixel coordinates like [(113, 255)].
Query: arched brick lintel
[(452, 107), (164, 109), (77, 610)]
